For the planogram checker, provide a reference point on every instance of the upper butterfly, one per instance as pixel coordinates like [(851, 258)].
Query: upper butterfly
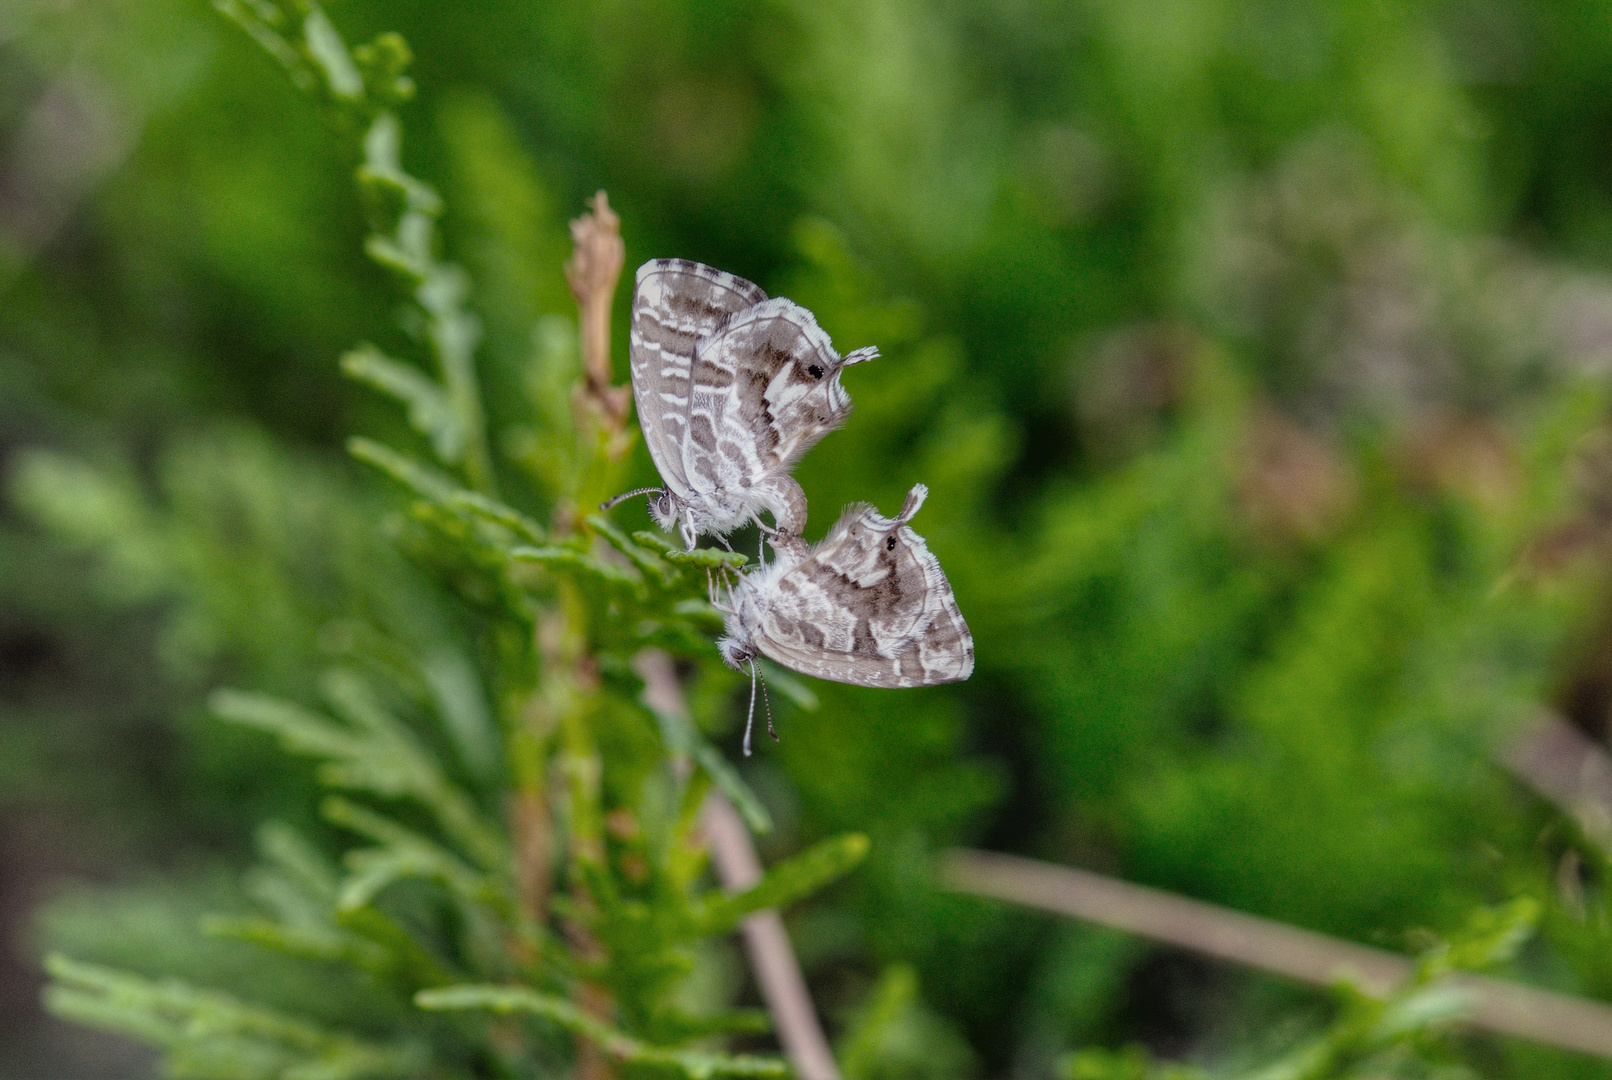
[(732, 388), (867, 605)]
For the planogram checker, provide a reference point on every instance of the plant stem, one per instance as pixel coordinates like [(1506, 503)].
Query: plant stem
[(771, 955)]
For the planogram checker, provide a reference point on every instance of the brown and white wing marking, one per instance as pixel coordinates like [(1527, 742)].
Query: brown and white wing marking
[(676, 304), (766, 389), (869, 605)]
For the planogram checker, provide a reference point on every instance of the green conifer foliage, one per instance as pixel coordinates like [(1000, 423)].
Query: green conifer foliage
[(1246, 563), (524, 882)]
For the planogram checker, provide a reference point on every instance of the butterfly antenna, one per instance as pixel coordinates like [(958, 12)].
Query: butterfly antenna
[(624, 496), (766, 699), (750, 720)]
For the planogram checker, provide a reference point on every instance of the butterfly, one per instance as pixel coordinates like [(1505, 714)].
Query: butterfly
[(867, 605), (732, 388)]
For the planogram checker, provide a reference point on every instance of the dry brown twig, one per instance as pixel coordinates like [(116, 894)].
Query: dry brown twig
[(1570, 770), (737, 867), (1506, 1007)]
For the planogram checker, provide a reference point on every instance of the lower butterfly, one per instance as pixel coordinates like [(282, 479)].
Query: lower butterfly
[(867, 605)]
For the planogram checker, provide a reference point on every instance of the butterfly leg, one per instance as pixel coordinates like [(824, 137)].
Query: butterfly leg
[(726, 576)]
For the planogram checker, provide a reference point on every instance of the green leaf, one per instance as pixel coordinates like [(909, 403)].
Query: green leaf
[(701, 614), (412, 965), (403, 854), (704, 558), (701, 557), (654, 568), (377, 754), (681, 737), (383, 147), (420, 479), (1132, 1063), (786, 882), (260, 21), (330, 948), (329, 53), (683, 1026), (696, 1065), (461, 704), (300, 731), (195, 1025), (428, 408), (489, 509), (383, 63), (570, 561), (1491, 936), (655, 542)]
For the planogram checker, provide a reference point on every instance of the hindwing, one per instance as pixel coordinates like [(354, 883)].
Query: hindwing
[(868, 605), (766, 389), (676, 304)]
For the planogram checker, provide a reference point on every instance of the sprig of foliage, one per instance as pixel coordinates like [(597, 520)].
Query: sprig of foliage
[(208, 1034), (695, 1064), (553, 885)]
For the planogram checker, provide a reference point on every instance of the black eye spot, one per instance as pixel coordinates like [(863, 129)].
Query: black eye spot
[(890, 544), (815, 372)]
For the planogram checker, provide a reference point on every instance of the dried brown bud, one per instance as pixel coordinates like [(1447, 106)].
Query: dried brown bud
[(593, 270), (1294, 483)]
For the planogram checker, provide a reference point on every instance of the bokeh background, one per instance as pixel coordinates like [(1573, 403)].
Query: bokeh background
[(1258, 356)]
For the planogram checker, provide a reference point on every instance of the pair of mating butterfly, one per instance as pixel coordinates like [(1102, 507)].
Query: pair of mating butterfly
[(732, 388)]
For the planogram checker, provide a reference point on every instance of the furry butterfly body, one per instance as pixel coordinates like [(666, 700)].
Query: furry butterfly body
[(868, 605), (731, 388)]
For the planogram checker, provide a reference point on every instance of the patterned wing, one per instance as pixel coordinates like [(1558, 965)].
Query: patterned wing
[(870, 606), (766, 388), (676, 303)]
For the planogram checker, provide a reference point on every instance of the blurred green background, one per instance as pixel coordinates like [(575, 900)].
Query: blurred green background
[(1258, 356)]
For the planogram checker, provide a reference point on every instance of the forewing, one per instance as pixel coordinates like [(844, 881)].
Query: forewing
[(766, 389), (863, 610), (676, 304)]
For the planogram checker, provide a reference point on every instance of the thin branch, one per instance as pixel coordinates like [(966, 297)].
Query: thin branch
[(1505, 1007), (771, 956), (1568, 769)]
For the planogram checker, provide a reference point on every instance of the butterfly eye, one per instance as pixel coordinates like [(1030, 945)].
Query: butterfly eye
[(890, 544), (815, 372)]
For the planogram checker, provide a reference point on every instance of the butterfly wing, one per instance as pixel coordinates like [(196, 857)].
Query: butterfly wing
[(766, 389), (869, 605), (676, 304)]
